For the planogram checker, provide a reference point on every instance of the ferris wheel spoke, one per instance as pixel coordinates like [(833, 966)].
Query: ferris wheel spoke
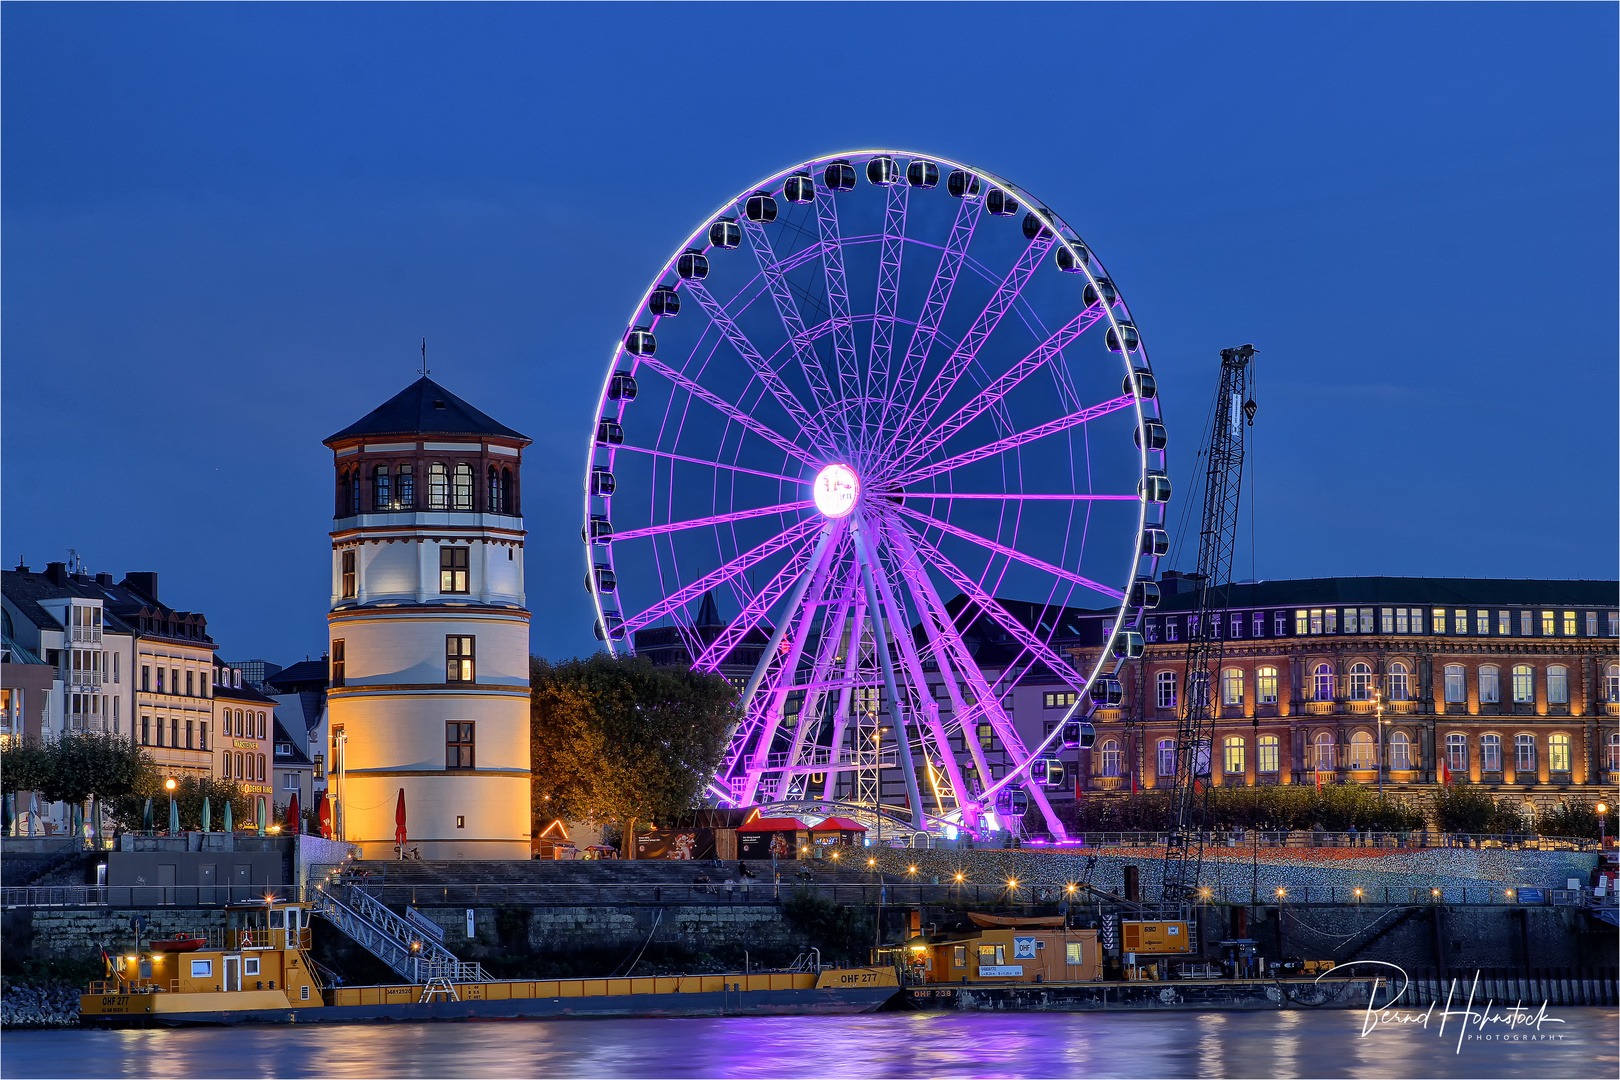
[(717, 519), (993, 394), (1012, 442), (962, 357), (832, 263), (792, 573), (764, 371), (886, 306), (1010, 552), (710, 464), (787, 309), (933, 310), (678, 600), (730, 411), (821, 671), (1002, 617)]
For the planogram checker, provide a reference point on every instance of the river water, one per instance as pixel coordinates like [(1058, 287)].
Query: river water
[(1269, 1044)]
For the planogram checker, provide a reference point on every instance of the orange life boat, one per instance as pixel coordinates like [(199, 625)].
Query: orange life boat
[(179, 943), (1004, 921)]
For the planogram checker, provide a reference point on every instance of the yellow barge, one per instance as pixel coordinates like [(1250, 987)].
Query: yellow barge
[(259, 971)]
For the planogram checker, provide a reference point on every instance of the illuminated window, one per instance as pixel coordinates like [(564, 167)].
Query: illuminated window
[(1359, 683), (1457, 753), (1400, 751), (1614, 624), (1438, 617), (1613, 749), (1110, 760), (1363, 754), (461, 488), (1322, 683), (1611, 683), (1268, 754), (1365, 617), (1166, 681), (1061, 700), (1232, 754), (438, 486), (1482, 622), (1547, 624), (1558, 755), (1399, 682), (1302, 623), (1569, 624), (1459, 621), (987, 737), (959, 956), (453, 569), (1400, 621), (1524, 685), (1524, 753), (1322, 752), (1558, 685), (349, 587), (1073, 953), (1265, 685), (1456, 684), (1504, 623), (406, 499), (382, 488), (458, 745), (1490, 684), (1167, 757), (459, 658), (1232, 686), (1490, 753), (1386, 620), (1524, 624)]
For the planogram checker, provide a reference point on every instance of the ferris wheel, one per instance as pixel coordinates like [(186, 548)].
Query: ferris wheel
[(874, 400)]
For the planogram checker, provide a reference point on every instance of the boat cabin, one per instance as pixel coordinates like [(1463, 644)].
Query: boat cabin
[(1011, 954)]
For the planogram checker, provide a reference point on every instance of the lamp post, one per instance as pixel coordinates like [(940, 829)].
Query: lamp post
[(1378, 713), (169, 787), (1603, 821)]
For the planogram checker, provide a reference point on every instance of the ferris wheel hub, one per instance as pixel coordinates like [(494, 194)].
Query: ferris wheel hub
[(836, 490)]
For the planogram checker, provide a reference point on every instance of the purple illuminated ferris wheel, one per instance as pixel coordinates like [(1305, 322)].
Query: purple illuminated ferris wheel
[(874, 400)]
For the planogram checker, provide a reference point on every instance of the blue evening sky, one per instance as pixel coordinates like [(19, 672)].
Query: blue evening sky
[(226, 227)]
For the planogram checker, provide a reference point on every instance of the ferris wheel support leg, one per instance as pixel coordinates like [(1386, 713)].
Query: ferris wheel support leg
[(852, 653), (880, 640), (826, 656)]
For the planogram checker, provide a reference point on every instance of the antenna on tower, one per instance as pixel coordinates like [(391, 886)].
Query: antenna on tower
[(425, 370)]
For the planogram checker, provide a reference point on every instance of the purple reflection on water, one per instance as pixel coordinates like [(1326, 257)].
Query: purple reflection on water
[(1280, 1044)]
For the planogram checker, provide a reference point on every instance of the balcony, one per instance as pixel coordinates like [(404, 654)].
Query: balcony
[(1318, 708)]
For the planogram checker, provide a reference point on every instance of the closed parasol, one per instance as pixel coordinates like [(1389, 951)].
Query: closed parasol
[(399, 823)]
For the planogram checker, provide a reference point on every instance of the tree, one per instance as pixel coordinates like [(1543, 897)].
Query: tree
[(189, 792), (615, 739), (76, 767), (25, 765)]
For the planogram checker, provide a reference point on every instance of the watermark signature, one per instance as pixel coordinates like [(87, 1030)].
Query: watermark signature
[(1486, 1022)]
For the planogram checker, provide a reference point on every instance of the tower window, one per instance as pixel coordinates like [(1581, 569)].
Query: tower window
[(407, 488), (337, 663), (382, 488), (462, 487), (459, 658), (438, 486), (453, 569), (458, 744), (354, 491), (349, 587), (497, 505)]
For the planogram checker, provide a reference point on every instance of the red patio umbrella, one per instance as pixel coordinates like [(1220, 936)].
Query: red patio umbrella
[(399, 823), (325, 816), (295, 819)]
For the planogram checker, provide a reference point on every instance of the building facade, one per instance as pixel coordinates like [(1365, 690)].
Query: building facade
[(429, 645), (243, 747)]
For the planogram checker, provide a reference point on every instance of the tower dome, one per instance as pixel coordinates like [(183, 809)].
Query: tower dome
[(429, 630)]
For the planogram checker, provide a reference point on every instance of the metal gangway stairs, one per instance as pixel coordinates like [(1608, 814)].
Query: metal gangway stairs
[(413, 953)]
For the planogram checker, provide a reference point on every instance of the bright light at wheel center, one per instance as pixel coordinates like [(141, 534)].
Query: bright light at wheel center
[(836, 490)]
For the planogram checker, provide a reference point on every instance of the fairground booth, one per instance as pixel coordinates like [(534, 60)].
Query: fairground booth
[(773, 838), (838, 832)]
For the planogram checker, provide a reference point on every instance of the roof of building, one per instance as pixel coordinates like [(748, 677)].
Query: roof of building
[(294, 677), (242, 693), (1303, 592), (124, 604), (14, 653), (425, 408), (283, 737)]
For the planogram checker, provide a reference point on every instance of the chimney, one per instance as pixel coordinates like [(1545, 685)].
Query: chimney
[(104, 580), (1176, 582), (144, 581), (22, 568), (56, 573)]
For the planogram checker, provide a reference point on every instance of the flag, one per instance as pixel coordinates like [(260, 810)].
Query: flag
[(1318, 779), (1133, 781), (1445, 773)]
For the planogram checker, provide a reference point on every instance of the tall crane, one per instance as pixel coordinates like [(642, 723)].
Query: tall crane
[(1233, 413)]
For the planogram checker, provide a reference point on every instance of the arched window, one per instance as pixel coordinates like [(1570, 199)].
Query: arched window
[(261, 727), (1524, 685), (239, 775), (1558, 755), (406, 498), (261, 767), (1359, 682), (1457, 753), (1490, 684), (1399, 681), (1232, 754), (1167, 755), (1232, 686), (1268, 754), (497, 505), (1613, 748), (1400, 751), (438, 486), (1322, 683), (1558, 685), (1524, 753), (1363, 754), (1611, 683), (1456, 684), (382, 488), (1265, 685), (461, 488), (1490, 753), (1324, 758), (1167, 689), (1109, 759)]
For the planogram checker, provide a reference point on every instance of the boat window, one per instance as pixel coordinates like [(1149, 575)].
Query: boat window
[(960, 957), (202, 969), (250, 965), (276, 918)]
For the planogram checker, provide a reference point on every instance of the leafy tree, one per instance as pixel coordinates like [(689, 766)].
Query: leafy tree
[(1578, 819), (1464, 809), (189, 792), (615, 739), (26, 764)]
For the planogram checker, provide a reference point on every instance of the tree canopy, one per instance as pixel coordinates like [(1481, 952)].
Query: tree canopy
[(75, 767), (615, 739)]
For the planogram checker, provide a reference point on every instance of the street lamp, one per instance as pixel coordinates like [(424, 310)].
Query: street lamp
[(1378, 713), (1603, 821), (169, 787)]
